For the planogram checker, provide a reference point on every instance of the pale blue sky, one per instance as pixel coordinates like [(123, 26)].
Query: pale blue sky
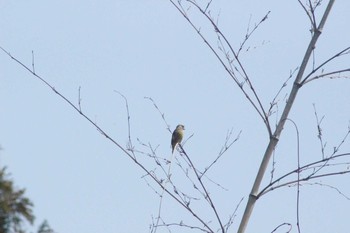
[(80, 182)]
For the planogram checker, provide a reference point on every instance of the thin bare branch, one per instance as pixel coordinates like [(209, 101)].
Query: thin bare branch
[(182, 224), (208, 5), (271, 186), (308, 15), (341, 53), (319, 130), (33, 62), (298, 176), (226, 146), (274, 101), (130, 144), (208, 198), (337, 148), (161, 114), (272, 173), (250, 33), (216, 183), (281, 225), (312, 10), (333, 188), (330, 75), (232, 216), (79, 98), (294, 182)]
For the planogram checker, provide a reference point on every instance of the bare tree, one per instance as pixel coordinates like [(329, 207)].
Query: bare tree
[(196, 190), (230, 60)]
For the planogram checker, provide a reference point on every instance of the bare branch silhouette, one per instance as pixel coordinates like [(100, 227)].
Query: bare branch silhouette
[(130, 145), (226, 146), (331, 187), (274, 101), (149, 173), (232, 216), (298, 175), (343, 52), (281, 225), (208, 198), (320, 163), (249, 32), (79, 98), (33, 62), (162, 114), (330, 75), (229, 65), (319, 131)]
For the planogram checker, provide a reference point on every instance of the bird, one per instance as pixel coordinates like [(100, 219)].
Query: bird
[(177, 136)]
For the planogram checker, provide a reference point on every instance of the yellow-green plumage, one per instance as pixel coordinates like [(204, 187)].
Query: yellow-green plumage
[(177, 136)]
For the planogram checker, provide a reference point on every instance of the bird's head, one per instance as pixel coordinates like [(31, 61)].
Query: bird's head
[(180, 127)]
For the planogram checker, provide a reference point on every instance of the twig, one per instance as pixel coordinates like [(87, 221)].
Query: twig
[(337, 148), (298, 174), (249, 33), (215, 183), (319, 130), (271, 186), (182, 224), (311, 18), (274, 100), (312, 10), (281, 225), (293, 182), (33, 65), (130, 144), (232, 216), (226, 146), (272, 173), (79, 99), (333, 188), (329, 75), (161, 114), (206, 8), (341, 53), (208, 198)]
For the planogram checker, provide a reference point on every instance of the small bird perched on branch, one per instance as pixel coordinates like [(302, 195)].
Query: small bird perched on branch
[(177, 136)]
